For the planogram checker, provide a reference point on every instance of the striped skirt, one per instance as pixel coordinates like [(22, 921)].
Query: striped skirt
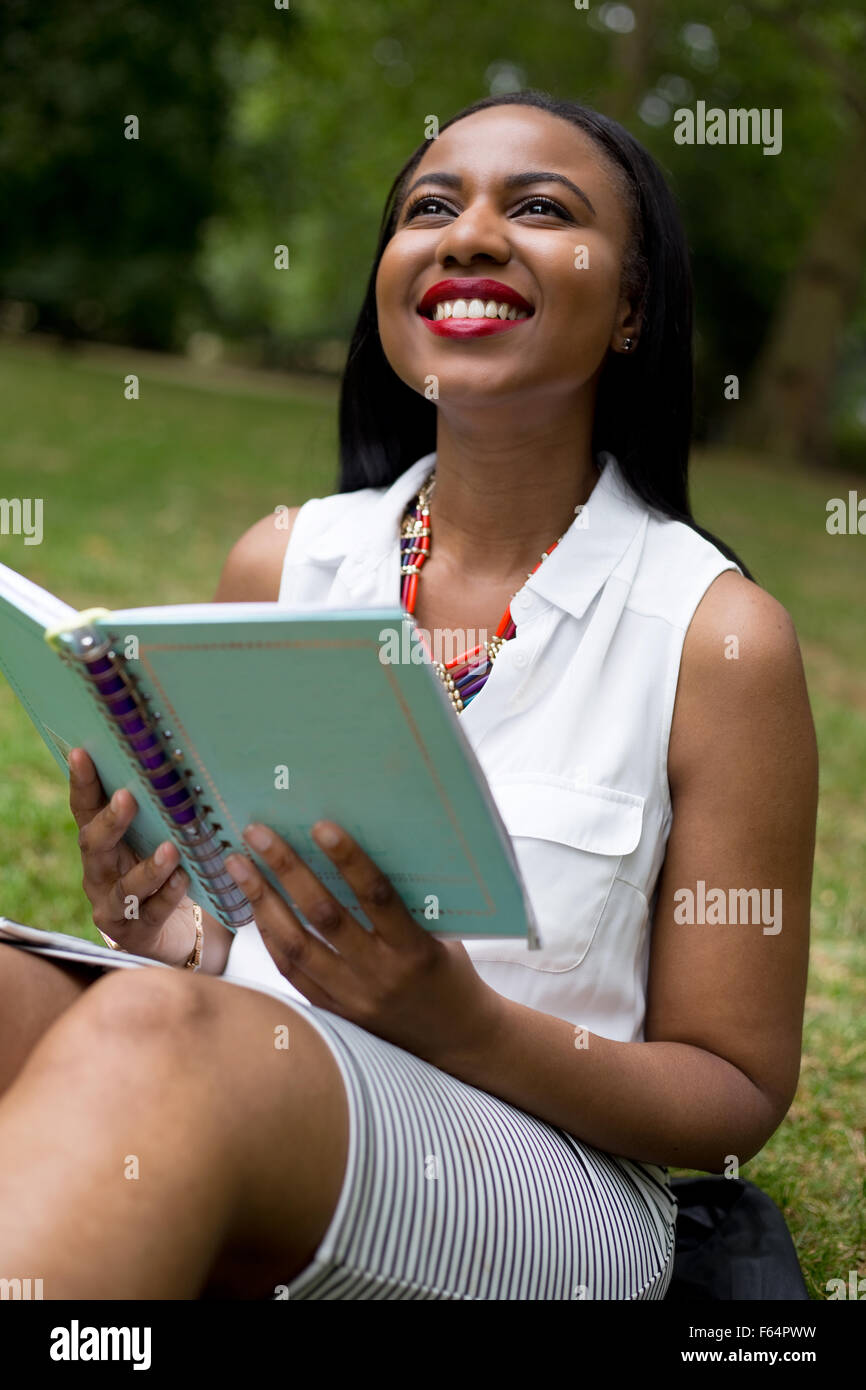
[(452, 1193)]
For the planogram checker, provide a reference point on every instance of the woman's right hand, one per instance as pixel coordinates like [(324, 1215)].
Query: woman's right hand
[(118, 883)]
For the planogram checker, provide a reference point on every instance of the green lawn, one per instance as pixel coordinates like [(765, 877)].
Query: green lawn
[(142, 501)]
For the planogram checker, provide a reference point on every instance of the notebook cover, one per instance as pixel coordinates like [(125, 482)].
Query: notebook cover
[(287, 717)]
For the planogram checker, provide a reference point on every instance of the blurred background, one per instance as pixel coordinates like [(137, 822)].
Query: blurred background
[(254, 127), (260, 126)]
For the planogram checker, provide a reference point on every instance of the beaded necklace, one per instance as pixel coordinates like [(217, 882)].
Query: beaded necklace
[(465, 675)]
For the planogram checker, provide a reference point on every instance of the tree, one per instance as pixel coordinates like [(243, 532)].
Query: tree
[(788, 408), (102, 212)]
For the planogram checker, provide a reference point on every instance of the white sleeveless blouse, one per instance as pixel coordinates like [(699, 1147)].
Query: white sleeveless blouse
[(571, 729)]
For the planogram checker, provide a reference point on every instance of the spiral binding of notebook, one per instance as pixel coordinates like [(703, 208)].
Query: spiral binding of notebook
[(154, 752)]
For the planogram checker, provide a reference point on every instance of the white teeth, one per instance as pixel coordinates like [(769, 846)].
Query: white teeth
[(477, 309)]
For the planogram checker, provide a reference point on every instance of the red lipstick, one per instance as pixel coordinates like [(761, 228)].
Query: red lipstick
[(471, 288)]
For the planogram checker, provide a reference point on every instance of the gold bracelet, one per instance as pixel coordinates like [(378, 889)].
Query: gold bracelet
[(194, 962)]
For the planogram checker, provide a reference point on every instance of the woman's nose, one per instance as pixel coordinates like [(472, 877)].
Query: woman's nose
[(477, 231)]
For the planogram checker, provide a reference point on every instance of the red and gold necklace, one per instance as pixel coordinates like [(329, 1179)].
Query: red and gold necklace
[(466, 674)]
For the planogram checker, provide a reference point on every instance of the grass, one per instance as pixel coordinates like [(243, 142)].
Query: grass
[(142, 501)]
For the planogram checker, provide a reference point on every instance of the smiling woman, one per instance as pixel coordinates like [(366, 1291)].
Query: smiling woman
[(469, 1120)]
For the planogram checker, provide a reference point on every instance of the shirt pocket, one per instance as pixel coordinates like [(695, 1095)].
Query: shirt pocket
[(569, 839)]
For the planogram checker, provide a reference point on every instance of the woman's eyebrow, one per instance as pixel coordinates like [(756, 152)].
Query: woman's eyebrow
[(518, 180), (512, 181)]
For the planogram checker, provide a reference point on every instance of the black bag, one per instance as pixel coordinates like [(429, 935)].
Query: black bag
[(732, 1243)]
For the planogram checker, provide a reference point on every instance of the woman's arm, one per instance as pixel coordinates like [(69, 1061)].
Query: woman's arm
[(251, 573), (720, 1064)]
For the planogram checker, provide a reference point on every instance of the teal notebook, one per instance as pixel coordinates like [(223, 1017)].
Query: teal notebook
[(215, 715)]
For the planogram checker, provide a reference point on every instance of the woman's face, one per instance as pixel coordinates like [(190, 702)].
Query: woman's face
[(483, 206)]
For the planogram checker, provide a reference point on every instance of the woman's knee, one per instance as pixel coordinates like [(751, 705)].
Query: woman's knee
[(128, 1016), (140, 1011), (141, 1003)]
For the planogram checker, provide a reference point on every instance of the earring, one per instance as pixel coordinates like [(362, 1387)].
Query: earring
[(626, 344)]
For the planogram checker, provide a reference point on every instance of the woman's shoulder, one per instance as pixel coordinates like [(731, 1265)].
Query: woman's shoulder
[(738, 621), (741, 688), (254, 565)]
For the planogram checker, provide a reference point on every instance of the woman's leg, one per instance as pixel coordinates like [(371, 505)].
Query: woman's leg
[(162, 1130), (34, 992)]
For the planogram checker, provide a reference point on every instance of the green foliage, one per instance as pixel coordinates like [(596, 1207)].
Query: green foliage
[(101, 231), (264, 127), (326, 126)]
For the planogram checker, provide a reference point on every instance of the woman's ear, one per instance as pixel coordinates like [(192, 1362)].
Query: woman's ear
[(627, 328)]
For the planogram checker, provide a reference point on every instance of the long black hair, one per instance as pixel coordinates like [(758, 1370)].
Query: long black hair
[(644, 401)]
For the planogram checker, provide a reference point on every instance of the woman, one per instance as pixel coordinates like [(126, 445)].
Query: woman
[(389, 1115)]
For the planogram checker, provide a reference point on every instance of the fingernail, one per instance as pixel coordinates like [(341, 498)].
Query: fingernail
[(258, 836), (163, 854), (328, 836), (238, 867), (115, 800)]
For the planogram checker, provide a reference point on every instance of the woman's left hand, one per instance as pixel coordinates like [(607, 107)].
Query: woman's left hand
[(397, 981)]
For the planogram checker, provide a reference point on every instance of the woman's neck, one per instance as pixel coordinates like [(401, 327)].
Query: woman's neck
[(502, 497)]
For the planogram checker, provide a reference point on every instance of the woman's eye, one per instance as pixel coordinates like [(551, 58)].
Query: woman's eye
[(547, 205), (419, 203)]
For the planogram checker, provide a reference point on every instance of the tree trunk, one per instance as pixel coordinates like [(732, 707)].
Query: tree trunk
[(631, 63), (788, 403)]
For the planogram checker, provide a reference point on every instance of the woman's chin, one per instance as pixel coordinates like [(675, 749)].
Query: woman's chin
[(451, 380)]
